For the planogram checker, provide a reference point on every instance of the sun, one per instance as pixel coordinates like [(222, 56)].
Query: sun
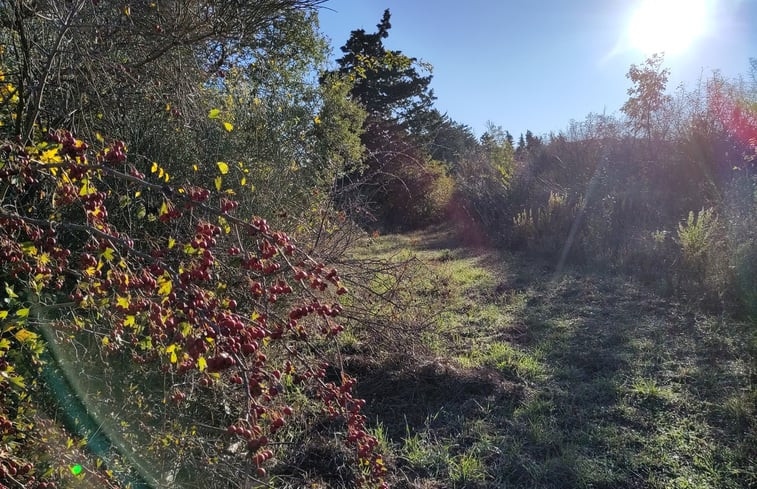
[(669, 26)]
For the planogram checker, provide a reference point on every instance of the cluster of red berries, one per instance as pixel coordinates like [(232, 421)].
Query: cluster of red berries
[(65, 194), (217, 336), (197, 194), (228, 205), (70, 146), (114, 154), (12, 468)]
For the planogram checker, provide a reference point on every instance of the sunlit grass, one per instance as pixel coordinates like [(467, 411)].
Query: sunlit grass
[(599, 390)]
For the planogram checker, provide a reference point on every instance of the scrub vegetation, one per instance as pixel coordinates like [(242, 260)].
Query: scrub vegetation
[(226, 262)]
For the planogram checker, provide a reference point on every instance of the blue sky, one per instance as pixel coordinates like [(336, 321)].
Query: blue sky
[(529, 64)]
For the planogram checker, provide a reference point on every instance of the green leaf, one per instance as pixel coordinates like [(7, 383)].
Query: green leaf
[(9, 291), (22, 313), (18, 381)]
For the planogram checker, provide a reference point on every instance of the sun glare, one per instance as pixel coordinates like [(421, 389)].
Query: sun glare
[(668, 25)]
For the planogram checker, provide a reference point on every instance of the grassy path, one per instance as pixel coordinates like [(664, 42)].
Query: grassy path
[(531, 380)]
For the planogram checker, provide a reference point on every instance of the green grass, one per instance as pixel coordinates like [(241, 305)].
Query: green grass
[(532, 380)]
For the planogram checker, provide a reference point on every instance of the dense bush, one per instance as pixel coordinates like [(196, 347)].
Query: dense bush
[(210, 318)]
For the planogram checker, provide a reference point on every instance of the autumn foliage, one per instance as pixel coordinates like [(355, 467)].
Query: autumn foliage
[(172, 278)]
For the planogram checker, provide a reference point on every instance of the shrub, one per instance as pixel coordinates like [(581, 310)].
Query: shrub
[(695, 236), (221, 319), (546, 228)]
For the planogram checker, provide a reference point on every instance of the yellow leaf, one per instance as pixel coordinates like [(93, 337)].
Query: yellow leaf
[(86, 188), (171, 348), (164, 208), (214, 113), (154, 167), (108, 254), (223, 167), (129, 320), (29, 249), (171, 243), (244, 181), (256, 101), (127, 11), (137, 194), (194, 168), (317, 120), (174, 358), (22, 313), (50, 156), (105, 341), (218, 183), (24, 335), (228, 126), (165, 286), (202, 364), (3, 314), (99, 137), (122, 302)]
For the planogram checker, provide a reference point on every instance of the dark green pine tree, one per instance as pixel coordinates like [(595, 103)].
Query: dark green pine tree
[(388, 83)]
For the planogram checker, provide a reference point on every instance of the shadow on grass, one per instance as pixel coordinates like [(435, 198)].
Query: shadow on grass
[(601, 384), (404, 393)]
